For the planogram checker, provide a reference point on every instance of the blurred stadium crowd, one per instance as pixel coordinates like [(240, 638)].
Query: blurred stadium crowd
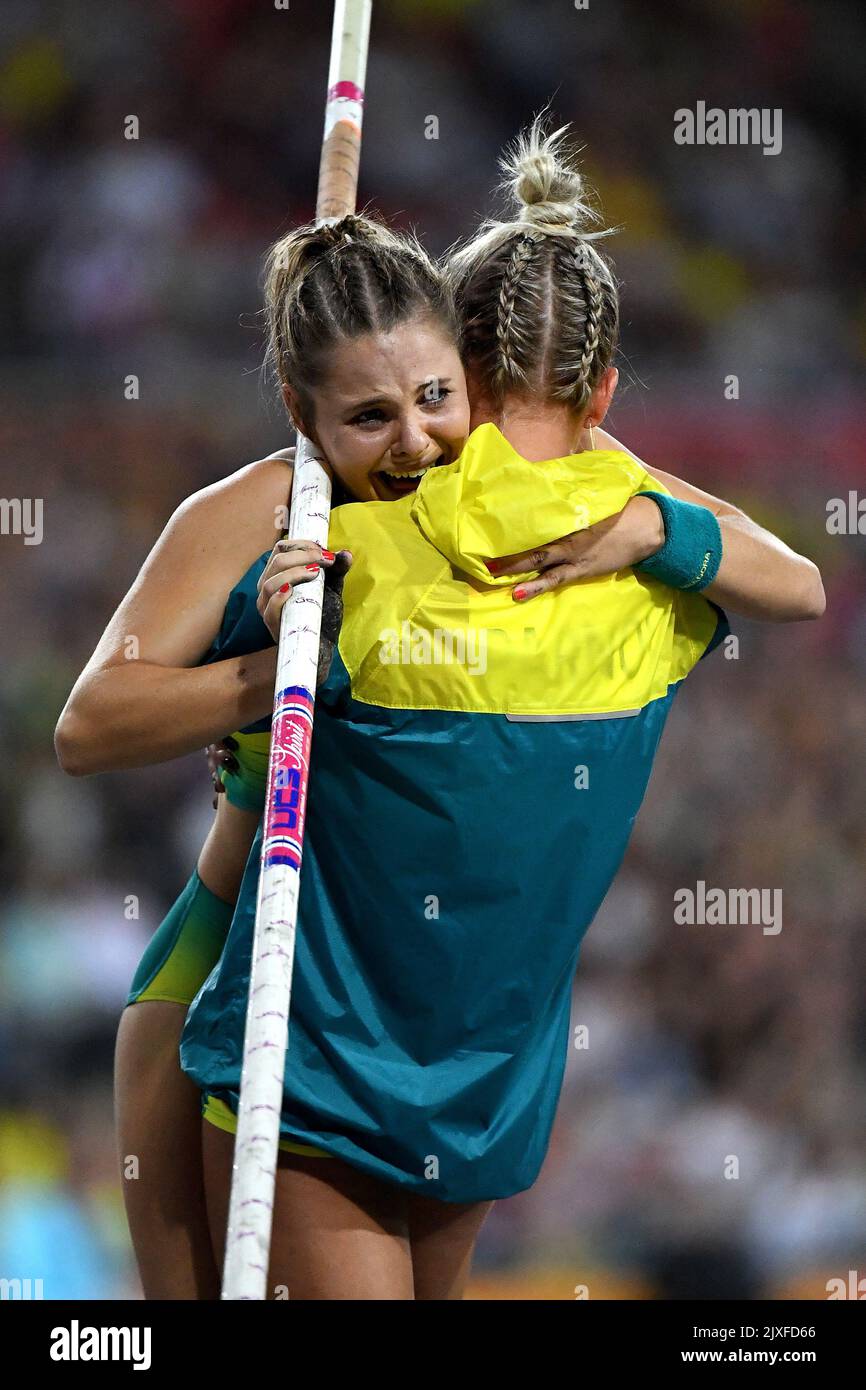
[(140, 257)]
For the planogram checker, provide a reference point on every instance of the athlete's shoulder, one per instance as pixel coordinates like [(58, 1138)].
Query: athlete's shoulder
[(216, 533), (247, 508), (248, 490)]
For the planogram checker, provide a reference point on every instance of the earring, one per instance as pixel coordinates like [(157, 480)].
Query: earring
[(591, 429)]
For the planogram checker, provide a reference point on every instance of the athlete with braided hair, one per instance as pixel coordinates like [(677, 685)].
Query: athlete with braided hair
[(540, 311)]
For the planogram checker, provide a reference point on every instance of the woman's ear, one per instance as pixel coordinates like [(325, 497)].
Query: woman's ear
[(599, 401), (292, 402)]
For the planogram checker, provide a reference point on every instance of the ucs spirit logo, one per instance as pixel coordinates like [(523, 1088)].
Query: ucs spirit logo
[(290, 739), (285, 820)]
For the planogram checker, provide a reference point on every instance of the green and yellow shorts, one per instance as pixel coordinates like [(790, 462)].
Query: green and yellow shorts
[(218, 1113)]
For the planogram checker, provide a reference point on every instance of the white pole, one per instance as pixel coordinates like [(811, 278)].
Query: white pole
[(245, 1275)]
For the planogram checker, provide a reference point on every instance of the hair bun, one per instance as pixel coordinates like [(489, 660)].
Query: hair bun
[(323, 237), (548, 215), (543, 179)]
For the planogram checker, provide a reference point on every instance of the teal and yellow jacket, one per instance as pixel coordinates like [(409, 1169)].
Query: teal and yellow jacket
[(477, 767)]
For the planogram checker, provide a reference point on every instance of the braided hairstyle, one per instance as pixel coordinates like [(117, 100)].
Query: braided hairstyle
[(324, 284), (539, 304)]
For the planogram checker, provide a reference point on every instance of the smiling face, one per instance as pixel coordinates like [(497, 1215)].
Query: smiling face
[(389, 407)]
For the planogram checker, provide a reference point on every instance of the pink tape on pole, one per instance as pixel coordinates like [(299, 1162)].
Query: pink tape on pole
[(346, 91)]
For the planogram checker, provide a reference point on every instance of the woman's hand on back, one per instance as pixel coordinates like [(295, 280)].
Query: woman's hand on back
[(614, 544)]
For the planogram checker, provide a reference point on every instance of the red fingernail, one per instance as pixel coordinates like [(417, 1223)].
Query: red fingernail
[(314, 568), (284, 588), (519, 593), (492, 565), (328, 555)]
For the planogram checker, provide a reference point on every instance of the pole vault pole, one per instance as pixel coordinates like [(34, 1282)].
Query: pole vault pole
[(248, 1240)]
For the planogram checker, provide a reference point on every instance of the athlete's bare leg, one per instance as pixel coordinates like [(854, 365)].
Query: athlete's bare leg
[(158, 1110), (158, 1119), (442, 1237), (338, 1233)]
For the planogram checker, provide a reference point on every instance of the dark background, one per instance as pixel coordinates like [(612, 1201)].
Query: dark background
[(143, 257)]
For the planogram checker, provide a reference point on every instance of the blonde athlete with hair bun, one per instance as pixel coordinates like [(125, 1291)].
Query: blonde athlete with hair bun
[(540, 311), (452, 860)]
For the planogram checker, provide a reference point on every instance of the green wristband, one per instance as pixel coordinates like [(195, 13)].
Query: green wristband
[(692, 551)]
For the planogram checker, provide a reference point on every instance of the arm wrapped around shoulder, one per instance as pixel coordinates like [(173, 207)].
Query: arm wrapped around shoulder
[(692, 551)]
